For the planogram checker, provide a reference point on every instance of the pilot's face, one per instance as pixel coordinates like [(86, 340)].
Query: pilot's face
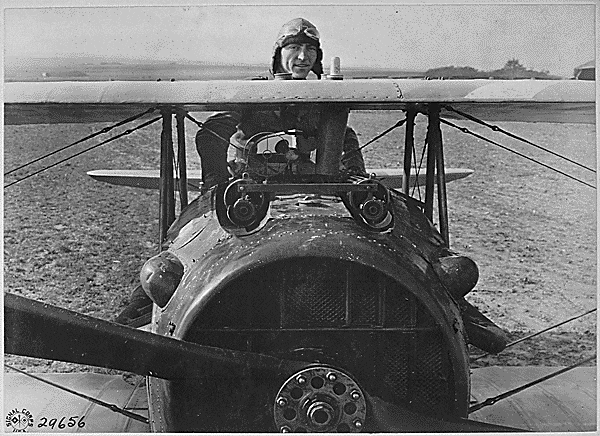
[(298, 59)]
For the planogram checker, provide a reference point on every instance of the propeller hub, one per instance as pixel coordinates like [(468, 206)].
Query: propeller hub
[(320, 399), (320, 413)]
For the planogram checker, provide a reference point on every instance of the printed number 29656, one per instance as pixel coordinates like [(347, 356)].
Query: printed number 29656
[(62, 422)]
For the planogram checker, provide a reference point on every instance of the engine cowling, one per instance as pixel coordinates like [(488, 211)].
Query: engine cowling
[(323, 311), (318, 288)]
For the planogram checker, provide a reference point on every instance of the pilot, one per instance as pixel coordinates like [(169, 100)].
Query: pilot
[(297, 52)]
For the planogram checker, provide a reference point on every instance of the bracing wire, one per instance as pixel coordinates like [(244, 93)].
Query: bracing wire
[(176, 171), (112, 407), (120, 135), (525, 338), (382, 134), (512, 135), (493, 400), (100, 132), (418, 169), (465, 130)]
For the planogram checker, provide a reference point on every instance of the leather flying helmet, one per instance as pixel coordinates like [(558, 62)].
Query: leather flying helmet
[(298, 31)]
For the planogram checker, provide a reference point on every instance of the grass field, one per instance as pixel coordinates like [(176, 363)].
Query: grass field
[(80, 244)]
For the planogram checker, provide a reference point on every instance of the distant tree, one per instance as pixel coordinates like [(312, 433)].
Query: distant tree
[(453, 72), (514, 65), (513, 69)]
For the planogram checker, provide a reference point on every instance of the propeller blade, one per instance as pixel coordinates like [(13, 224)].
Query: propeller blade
[(389, 417), (40, 330), (36, 329)]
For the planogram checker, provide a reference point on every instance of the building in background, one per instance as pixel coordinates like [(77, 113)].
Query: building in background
[(586, 71)]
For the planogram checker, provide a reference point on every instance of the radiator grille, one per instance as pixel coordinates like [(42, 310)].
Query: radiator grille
[(312, 297), (395, 366), (431, 374), (365, 303), (347, 315), (400, 308)]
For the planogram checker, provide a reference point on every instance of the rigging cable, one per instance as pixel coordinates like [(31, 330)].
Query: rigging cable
[(100, 132), (385, 132), (177, 175), (537, 333), (177, 169), (512, 135), (465, 130), (493, 400), (126, 132), (112, 407), (418, 169)]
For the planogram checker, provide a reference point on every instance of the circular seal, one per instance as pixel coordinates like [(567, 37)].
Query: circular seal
[(19, 420)]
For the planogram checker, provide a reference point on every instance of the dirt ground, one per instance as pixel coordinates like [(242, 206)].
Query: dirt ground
[(80, 244)]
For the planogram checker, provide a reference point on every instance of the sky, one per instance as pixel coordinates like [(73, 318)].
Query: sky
[(552, 36)]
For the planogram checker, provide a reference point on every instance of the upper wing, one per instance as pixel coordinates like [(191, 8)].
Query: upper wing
[(507, 100)]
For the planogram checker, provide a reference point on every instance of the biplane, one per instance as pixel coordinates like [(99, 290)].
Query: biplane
[(295, 301)]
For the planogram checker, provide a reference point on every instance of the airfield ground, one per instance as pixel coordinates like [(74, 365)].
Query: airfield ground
[(79, 244)]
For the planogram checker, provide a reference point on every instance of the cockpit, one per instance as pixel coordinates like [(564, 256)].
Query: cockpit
[(269, 154)]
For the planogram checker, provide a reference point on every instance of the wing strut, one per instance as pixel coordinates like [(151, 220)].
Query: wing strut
[(434, 117), (409, 144), (430, 176), (435, 160), (167, 192), (181, 160)]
